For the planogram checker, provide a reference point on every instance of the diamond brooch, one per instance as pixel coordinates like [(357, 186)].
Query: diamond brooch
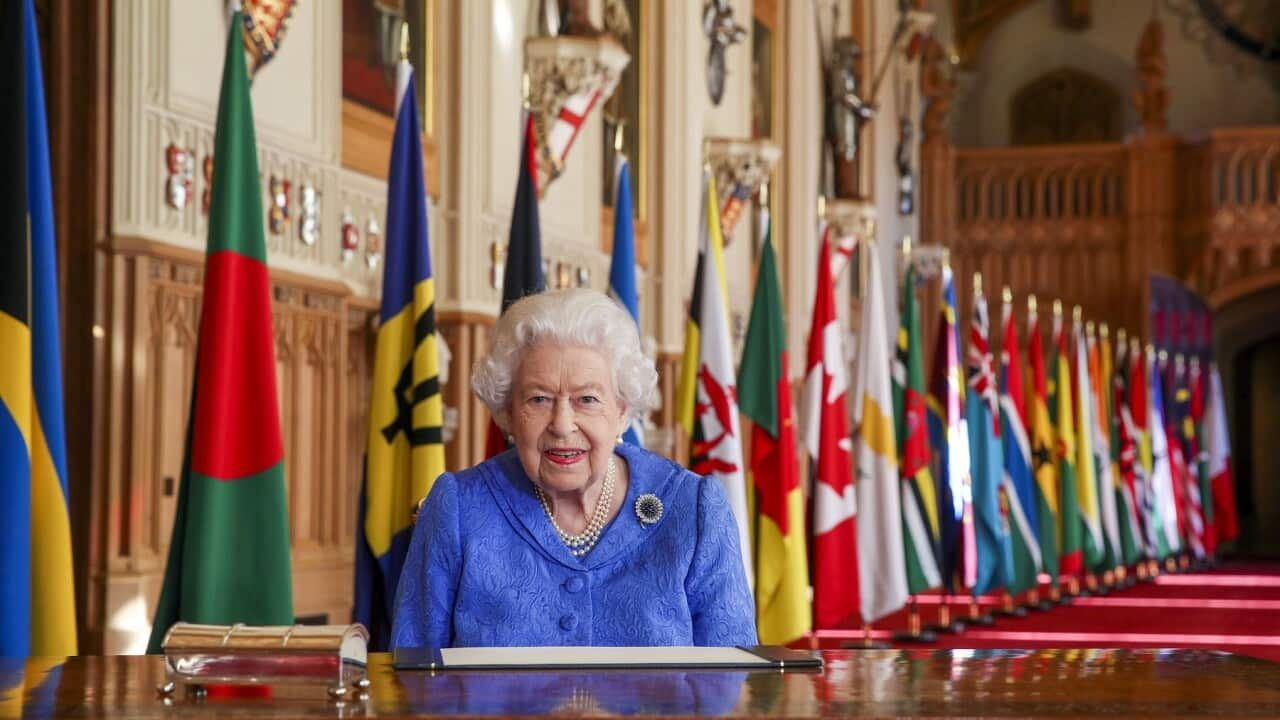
[(648, 509)]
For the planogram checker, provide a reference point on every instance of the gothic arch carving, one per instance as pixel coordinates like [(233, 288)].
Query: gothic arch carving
[(1063, 106)]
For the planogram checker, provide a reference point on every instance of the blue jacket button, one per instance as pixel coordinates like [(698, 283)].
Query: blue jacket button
[(568, 623), (574, 584)]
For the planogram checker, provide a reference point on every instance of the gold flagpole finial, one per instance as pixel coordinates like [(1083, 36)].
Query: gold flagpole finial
[(1077, 314), (618, 136), (1088, 328), (977, 284), (946, 257), (1121, 337), (404, 40), (906, 247), (1006, 294), (1102, 330), (764, 194), (1057, 307), (1031, 303), (822, 206)]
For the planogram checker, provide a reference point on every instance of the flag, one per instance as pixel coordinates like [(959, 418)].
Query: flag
[(919, 497), (687, 390), (1019, 487), (622, 267), (882, 576), (782, 569), (1144, 488), (717, 450), (1042, 444), (404, 449), (1218, 444), (229, 556), (1184, 429), (1070, 540), (1124, 449), (1178, 470), (1101, 445), (38, 599), (834, 559), (990, 505), (1164, 501), (1094, 546), (949, 439), (1204, 488), (522, 274)]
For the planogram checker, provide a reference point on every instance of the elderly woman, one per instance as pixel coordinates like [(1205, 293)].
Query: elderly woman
[(572, 537)]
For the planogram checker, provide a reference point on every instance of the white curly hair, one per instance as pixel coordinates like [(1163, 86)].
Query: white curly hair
[(574, 317)]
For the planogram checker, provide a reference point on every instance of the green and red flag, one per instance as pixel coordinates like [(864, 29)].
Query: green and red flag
[(229, 555), (764, 395), (920, 532)]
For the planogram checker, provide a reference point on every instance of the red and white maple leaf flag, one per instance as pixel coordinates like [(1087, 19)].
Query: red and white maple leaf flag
[(834, 550)]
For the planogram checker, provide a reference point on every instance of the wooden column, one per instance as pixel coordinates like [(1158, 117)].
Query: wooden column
[(76, 44)]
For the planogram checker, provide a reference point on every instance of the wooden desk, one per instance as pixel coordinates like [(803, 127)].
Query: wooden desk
[(854, 682)]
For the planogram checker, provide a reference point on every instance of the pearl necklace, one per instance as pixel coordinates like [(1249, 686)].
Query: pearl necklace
[(581, 544)]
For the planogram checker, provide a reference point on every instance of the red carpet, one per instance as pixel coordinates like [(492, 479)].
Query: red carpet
[(1235, 608)]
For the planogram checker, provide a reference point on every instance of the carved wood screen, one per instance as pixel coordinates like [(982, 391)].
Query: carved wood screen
[(1042, 221), (323, 352)]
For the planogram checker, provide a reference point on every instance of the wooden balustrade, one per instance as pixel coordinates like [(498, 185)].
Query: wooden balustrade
[(1045, 220), (1233, 180), (1088, 224)]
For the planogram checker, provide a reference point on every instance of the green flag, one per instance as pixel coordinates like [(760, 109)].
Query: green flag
[(1071, 541), (920, 532), (229, 555)]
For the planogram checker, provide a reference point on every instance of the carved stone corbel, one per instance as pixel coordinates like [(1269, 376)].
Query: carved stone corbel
[(568, 77), (852, 223), (739, 166)]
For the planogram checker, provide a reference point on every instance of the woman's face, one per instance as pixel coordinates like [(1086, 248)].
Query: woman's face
[(565, 415)]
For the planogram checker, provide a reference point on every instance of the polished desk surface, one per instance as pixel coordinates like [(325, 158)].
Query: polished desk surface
[(853, 683)]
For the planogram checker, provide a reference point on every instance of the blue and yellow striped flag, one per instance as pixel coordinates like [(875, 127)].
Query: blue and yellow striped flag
[(404, 450), (38, 599)]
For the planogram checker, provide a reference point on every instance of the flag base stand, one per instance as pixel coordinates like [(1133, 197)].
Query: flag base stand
[(977, 617), (914, 633), (1153, 568), (1184, 563), (1140, 570), (1034, 601), (946, 624), (1170, 565), (1091, 583), (1109, 579), (1009, 610), (866, 643), (1057, 598), (1073, 588)]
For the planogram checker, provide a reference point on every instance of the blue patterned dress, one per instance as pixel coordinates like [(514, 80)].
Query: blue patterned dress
[(485, 567)]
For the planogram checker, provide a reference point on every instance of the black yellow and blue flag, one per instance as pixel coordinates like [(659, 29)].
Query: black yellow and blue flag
[(404, 448), (37, 600)]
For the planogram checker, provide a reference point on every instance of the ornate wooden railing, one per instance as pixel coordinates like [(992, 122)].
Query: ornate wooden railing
[(1232, 201), (1089, 223)]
